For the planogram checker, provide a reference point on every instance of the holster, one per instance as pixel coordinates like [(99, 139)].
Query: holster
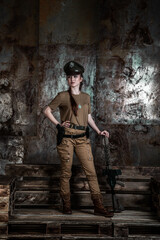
[(87, 132), (60, 134)]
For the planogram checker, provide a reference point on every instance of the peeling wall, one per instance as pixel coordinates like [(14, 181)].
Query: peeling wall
[(116, 41)]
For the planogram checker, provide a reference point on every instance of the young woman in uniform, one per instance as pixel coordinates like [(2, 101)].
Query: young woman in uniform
[(75, 114)]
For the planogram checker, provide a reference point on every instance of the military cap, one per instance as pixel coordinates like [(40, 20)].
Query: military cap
[(73, 67)]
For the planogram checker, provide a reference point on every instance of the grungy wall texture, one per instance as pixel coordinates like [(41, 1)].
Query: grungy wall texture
[(118, 44), (18, 77), (127, 83), (67, 31)]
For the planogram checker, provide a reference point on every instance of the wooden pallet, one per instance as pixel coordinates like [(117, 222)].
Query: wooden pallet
[(39, 188), (52, 223), (36, 206)]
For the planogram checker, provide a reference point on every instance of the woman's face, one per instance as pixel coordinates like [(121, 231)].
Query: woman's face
[(74, 80)]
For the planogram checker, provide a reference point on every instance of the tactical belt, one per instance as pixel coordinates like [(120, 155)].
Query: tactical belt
[(61, 133), (72, 125), (75, 136)]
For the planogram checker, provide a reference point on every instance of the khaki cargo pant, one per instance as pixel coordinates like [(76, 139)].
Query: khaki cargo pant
[(83, 151)]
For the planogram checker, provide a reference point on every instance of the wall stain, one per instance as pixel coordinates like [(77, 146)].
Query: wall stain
[(138, 35)]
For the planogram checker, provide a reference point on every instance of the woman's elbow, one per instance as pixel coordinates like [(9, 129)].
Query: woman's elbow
[(89, 117), (46, 110)]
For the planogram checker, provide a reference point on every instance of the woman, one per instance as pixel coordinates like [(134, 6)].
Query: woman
[(75, 113)]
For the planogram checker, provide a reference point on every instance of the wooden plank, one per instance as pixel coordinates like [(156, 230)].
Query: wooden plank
[(5, 180), (106, 229), (50, 170), (3, 228), (82, 199), (60, 237), (135, 201), (53, 228), (33, 170), (3, 237), (130, 229), (43, 184), (4, 199), (4, 192), (136, 213), (121, 231), (55, 216), (4, 186), (35, 197), (4, 203), (36, 206), (4, 206), (155, 187), (80, 237), (82, 177), (131, 201), (126, 214), (88, 237), (87, 214), (3, 217), (108, 238)]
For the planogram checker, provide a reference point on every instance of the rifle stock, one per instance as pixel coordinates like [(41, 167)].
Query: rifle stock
[(112, 177)]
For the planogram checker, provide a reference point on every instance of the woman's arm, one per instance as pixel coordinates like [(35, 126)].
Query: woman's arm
[(95, 128), (48, 113)]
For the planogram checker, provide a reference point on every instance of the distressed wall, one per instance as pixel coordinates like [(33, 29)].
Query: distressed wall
[(18, 77), (116, 41), (66, 31), (127, 83)]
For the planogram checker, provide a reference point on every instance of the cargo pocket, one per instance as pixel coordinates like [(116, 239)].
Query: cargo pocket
[(63, 150), (89, 149)]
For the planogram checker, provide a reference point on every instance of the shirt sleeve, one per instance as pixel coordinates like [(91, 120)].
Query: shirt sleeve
[(55, 102), (89, 105)]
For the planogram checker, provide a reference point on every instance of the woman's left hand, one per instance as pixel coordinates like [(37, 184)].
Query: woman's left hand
[(105, 133)]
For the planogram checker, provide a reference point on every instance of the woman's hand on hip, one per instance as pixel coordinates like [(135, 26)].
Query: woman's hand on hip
[(104, 132), (66, 124)]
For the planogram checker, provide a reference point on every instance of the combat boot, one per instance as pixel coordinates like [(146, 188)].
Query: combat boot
[(66, 203), (99, 209)]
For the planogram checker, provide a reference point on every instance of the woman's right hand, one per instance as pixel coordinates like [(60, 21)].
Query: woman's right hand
[(66, 124)]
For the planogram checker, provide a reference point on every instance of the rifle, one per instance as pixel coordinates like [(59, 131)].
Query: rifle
[(112, 176)]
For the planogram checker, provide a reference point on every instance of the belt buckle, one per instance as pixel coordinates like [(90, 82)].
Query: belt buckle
[(72, 136)]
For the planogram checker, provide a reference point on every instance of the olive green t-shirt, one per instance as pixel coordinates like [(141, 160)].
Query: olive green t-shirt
[(62, 100)]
